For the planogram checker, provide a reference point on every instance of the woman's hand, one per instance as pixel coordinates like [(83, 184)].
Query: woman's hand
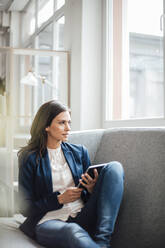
[(88, 182), (70, 195)]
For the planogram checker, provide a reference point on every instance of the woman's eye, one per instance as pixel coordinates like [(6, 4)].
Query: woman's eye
[(64, 122)]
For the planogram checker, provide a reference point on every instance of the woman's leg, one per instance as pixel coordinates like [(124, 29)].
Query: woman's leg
[(109, 200), (59, 234), (99, 215)]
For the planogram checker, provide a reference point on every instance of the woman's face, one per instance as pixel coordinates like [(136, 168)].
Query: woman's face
[(59, 128)]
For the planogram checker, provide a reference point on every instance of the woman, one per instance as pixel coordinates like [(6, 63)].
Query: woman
[(60, 214)]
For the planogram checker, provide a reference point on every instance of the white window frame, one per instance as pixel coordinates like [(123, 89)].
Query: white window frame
[(107, 77), (33, 39), (57, 15)]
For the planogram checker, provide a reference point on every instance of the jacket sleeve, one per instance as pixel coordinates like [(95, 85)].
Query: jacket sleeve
[(28, 203), (86, 163)]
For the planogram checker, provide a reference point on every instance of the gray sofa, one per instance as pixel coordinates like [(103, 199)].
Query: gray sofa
[(141, 220)]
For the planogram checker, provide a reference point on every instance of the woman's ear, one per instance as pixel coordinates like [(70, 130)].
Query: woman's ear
[(47, 129)]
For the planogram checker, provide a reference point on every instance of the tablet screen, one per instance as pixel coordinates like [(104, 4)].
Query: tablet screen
[(90, 171), (91, 168)]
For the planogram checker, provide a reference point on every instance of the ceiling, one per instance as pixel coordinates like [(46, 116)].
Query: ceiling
[(13, 5)]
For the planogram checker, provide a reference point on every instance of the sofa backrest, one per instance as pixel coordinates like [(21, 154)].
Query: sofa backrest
[(90, 139), (141, 221)]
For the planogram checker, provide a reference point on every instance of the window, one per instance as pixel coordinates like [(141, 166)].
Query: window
[(45, 32), (59, 4), (43, 24), (46, 10), (40, 75), (59, 33), (134, 62), (45, 38), (145, 59)]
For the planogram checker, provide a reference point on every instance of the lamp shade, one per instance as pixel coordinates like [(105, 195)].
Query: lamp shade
[(29, 79)]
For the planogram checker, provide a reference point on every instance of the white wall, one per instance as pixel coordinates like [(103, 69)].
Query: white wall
[(73, 20), (91, 89), (84, 41)]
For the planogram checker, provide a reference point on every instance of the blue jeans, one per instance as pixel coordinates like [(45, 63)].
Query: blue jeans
[(93, 226)]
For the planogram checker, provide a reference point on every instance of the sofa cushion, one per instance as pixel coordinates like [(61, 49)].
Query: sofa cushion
[(90, 139), (11, 236), (141, 221)]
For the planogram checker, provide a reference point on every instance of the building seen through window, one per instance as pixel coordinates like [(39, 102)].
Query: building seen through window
[(135, 60), (145, 59)]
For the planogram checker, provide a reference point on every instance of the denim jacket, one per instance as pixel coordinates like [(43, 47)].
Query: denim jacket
[(36, 196)]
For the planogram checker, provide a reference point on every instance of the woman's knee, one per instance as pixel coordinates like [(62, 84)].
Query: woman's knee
[(77, 237), (50, 233), (73, 229), (115, 168)]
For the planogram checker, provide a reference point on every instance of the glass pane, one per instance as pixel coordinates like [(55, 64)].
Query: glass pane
[(53, 81), (46, 9), (59, 4), (145, 59), (45, 83), (26, 84), (45, 38), (33, 79), (59, 33)]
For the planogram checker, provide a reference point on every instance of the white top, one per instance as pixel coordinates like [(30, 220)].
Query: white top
[(62, 179)]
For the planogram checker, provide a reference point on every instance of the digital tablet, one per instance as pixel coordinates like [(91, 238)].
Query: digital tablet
[(90, 171)]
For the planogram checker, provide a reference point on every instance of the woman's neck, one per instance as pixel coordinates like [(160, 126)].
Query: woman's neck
[(53, 145)]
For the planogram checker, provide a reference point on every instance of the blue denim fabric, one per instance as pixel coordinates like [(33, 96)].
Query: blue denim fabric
[(97, 218), (59, 234)]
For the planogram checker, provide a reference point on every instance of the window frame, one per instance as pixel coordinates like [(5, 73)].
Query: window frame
[(56, 15), (107, 74), (33, 41)]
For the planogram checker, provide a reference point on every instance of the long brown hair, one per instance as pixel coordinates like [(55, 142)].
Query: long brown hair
[(38, 141)]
